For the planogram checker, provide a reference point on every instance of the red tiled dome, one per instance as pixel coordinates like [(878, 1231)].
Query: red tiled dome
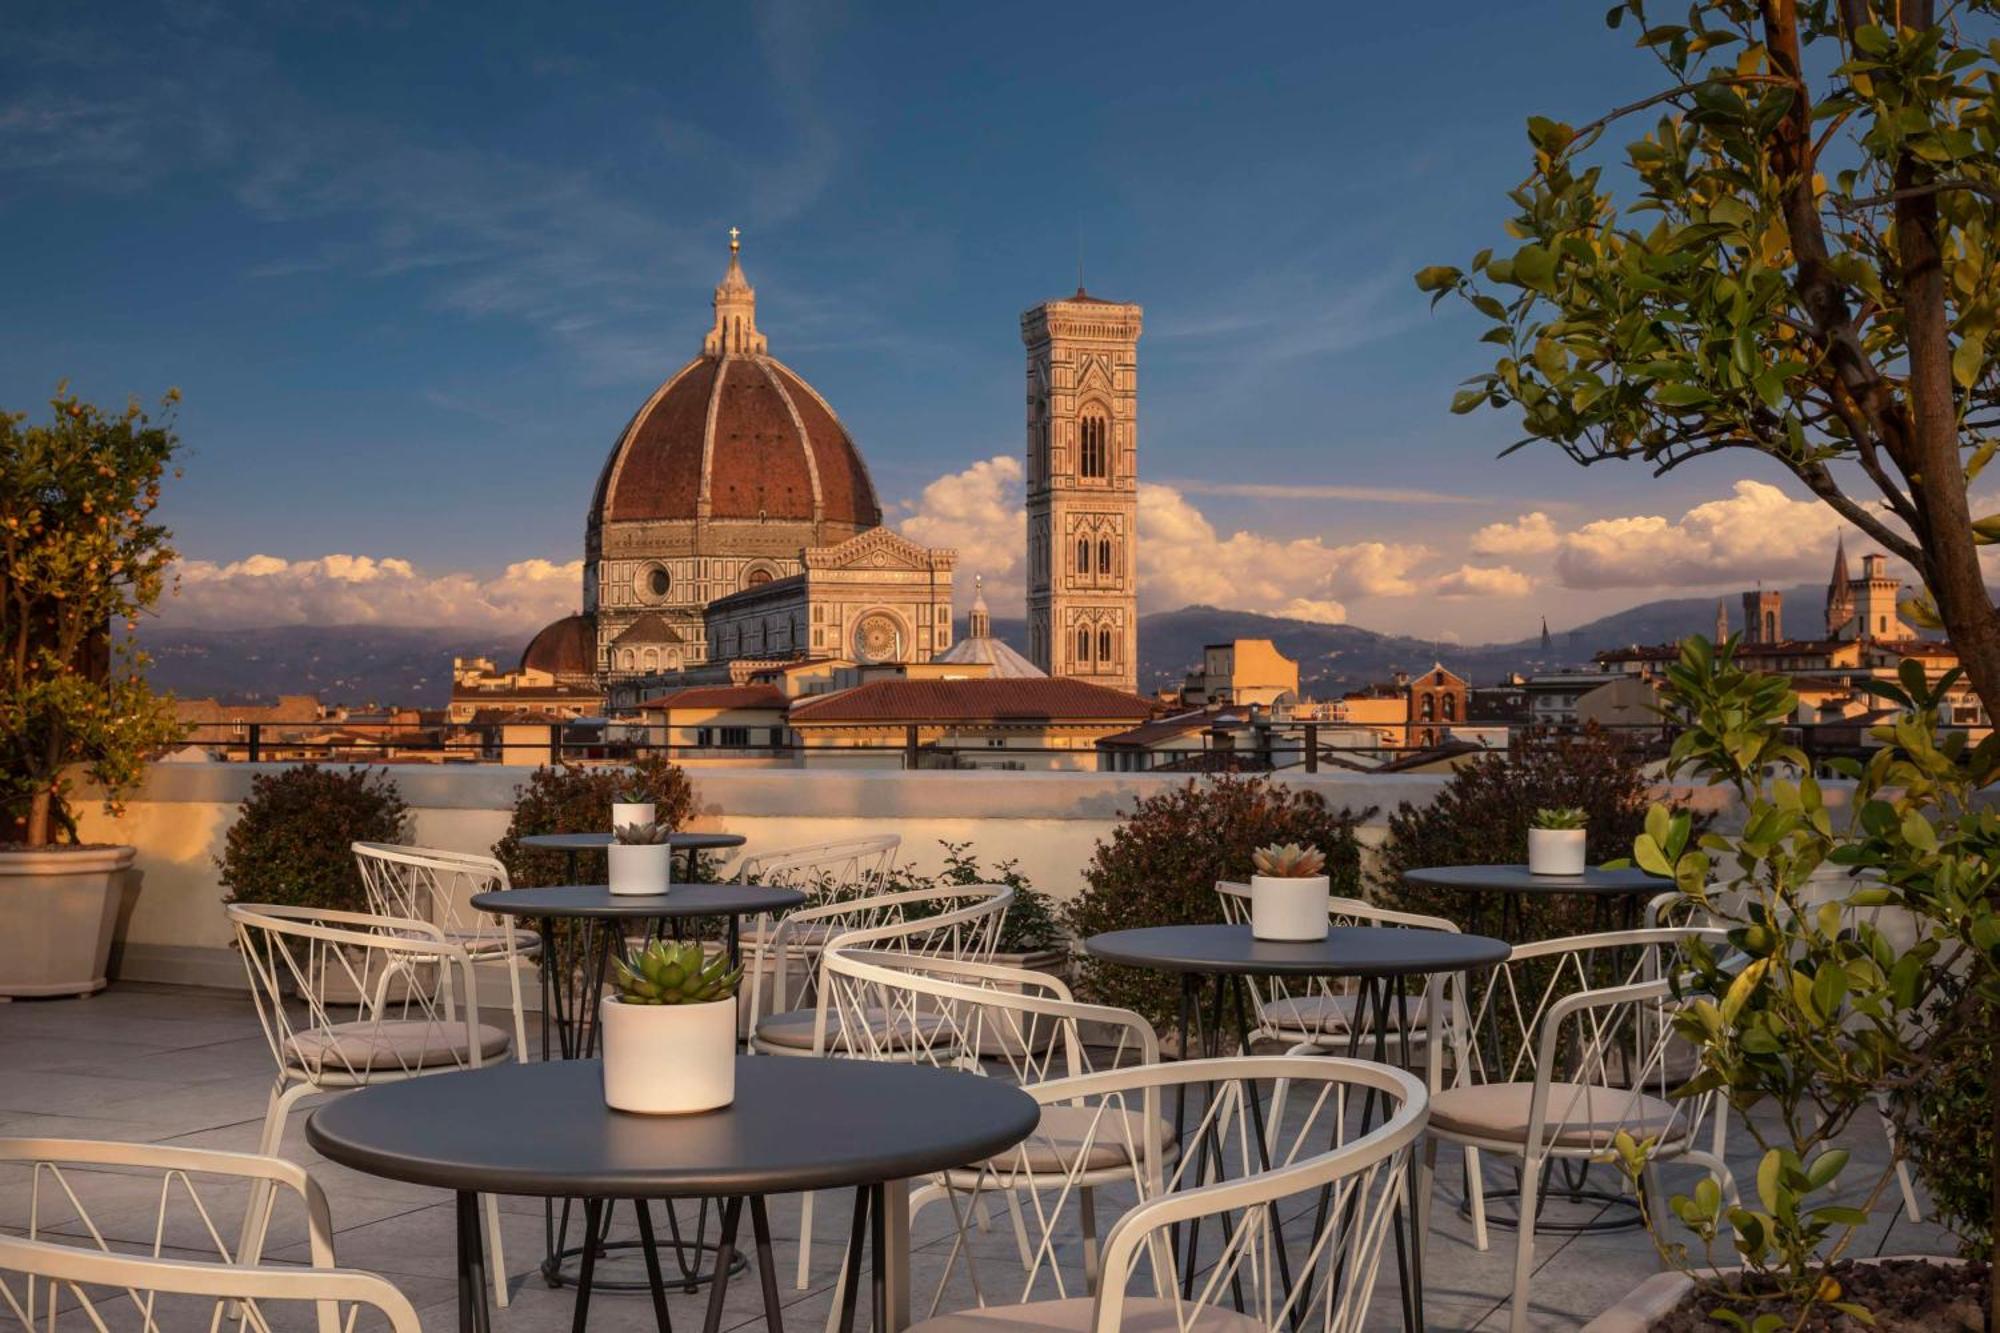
[(566, 648), (741, 432), (762, 441)]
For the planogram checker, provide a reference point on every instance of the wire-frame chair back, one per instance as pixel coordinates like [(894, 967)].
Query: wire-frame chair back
[(1587, 1020), (825, 871), (105, 1292), (415, 1005), (1012, 1023), (144, 1201), (1324, 1013), (958, 921), (429, 884), (1240, 1199)]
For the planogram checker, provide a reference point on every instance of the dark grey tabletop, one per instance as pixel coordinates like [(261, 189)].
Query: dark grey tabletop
[(1347, 951), (597, 842), (678, 900), (1516, 879), (543, 1129)]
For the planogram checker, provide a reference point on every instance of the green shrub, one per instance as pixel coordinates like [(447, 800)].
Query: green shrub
[(1162, 862), (574, 799), (1945, 1118), (1483, 815), (290, 842), (1033, 922)]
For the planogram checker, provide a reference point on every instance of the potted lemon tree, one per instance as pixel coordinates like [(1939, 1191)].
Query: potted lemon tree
[(80, 559)]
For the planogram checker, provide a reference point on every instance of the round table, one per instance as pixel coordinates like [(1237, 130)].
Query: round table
[(572, 843), (543, 1129), (1615, 895), (574, 962), (1380, 957)]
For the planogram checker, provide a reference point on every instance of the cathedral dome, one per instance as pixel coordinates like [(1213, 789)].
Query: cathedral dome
[(735, 434), (565, 648)]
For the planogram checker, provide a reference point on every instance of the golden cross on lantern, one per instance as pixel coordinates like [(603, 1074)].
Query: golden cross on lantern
[(734, 244)]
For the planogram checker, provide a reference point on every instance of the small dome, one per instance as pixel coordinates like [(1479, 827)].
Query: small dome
[(566, 649)]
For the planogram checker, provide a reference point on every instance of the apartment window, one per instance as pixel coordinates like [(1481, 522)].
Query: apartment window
[(1451, 708), (703, 736), (1091, 461), (735, 737)]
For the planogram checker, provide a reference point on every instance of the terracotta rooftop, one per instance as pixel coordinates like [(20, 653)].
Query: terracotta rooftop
[(718, 696), (1008, 700)]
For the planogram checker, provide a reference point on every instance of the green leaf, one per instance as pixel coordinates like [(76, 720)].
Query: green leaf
[(1438, 278)]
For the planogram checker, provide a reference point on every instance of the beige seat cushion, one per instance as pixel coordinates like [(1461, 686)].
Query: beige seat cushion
[(1142, 1315), (1587, 1116), (805, 935), (1067, 1132), (794, 1030), (493, 940), (390, 1046)]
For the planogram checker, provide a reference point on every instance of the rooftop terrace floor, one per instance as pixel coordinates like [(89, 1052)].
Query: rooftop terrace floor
[(190, 1067)]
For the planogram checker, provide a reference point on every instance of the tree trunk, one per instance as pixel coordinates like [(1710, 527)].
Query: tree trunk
[(40, 807)]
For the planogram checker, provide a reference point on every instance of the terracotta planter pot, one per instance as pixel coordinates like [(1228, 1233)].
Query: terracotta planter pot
[(58, 910)]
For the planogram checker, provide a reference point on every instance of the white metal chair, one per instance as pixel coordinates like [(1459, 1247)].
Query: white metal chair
[(416, 1014), (1570, 1042), (1003, 1022), (429, 884), (959, 922), (88, 1240), (826, 872), (1252, 1274), (1318, 1015), (92, 1283)]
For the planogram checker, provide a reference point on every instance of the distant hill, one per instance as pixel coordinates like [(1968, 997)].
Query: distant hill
[(358, 664), (350, 664)]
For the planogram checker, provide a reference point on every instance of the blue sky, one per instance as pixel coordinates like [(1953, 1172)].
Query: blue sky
[(413, 271)]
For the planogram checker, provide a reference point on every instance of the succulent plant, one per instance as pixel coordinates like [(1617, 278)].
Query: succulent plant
[(1288, 861), (1561, 817), (668, 972), (633, 796), (641, 835)]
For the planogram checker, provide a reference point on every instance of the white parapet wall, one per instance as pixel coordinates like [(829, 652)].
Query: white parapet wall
[(174, 930), (1051, 823)]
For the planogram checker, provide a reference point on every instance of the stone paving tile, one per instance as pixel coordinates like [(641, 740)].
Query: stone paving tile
[(191, 1068)]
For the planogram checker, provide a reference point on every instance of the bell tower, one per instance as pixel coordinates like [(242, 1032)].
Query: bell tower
[(1083, 489)]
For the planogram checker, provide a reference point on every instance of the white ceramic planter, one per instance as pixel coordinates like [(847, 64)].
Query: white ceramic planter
[(58, 911), (642, 870), (1288, 907), (1555, 851), (669, 1059), (1654, 1299), (630, 812)]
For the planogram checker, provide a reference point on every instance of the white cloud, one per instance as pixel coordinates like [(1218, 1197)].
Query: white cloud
[(1319, 612), (1484, 581), (342, 589), (1758, 532), (1530, 534), (1182, 558), (978, 513)]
